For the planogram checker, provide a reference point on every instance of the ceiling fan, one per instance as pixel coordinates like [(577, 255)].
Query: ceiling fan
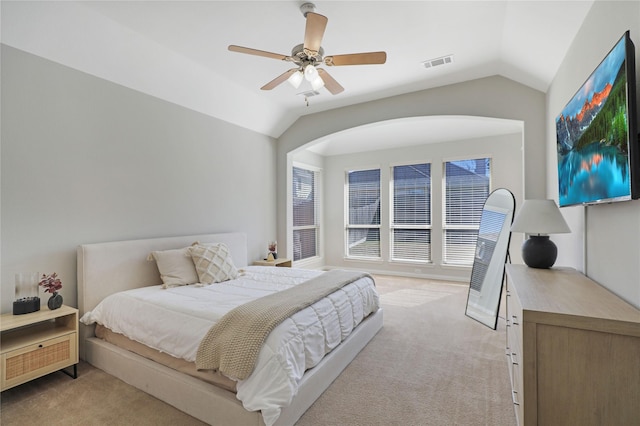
[(310, 54)]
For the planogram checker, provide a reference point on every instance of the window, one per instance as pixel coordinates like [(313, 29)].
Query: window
[(411, 221), (363, 217), (305, 217), (467, 186)]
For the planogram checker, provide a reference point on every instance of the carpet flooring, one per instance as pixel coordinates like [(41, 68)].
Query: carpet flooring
[(429, 365)]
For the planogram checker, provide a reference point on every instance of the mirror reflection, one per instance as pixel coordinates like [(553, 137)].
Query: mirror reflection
[(487, 275)]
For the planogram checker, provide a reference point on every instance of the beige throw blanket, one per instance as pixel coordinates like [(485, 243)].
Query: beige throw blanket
[(232, 344)]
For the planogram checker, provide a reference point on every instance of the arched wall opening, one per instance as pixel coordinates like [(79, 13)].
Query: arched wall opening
[(491, 97), (421, 139)]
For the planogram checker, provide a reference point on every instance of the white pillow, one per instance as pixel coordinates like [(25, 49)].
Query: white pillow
[(175, 266), (213, 263)]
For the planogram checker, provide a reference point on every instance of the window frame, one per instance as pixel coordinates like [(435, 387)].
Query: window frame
[(317, 179), (460, 227), (393, 226), (348, 226)]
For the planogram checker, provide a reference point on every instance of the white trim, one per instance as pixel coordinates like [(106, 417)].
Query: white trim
[(306, 166), (449, 278)]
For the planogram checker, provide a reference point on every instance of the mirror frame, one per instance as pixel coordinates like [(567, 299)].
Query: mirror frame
[(483, 305)]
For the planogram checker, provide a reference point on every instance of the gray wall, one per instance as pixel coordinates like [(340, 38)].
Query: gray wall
[(495, 97), (606, 236), (85, 160)]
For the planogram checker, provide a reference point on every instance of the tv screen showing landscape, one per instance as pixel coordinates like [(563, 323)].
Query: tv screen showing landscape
[(593, 136)]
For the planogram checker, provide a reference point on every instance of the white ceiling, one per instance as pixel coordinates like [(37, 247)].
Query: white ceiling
[(177, 50)]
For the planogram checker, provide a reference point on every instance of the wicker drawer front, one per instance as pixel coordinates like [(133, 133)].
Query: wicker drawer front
[(37, 360)]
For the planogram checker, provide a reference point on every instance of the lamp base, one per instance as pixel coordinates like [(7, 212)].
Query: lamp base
[(539, 252)]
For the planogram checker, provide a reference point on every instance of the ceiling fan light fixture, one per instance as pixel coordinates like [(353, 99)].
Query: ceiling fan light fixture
[(310, 72), (317, 83), (295, 79)]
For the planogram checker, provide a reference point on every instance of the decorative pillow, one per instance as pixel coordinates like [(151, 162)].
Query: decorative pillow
[(175, 266), (213, 263)]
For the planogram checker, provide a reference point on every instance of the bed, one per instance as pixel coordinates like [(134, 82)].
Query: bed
[(113, 267)]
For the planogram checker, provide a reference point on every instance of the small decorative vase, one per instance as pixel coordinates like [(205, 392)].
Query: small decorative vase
[(55, 301)]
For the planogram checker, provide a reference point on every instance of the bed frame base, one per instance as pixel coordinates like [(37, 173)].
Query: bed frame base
[(217, 406)]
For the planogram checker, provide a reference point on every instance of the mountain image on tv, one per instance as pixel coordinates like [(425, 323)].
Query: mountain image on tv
[(592, 136)]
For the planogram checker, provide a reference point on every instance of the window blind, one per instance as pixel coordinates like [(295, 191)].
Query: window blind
[(467, 186), (305, 219), (411, 222), (363, 216)]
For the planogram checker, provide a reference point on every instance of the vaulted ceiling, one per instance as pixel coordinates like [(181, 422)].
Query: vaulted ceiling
[(177, 50)]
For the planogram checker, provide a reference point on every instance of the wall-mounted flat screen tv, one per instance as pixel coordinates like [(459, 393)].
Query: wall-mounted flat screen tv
[(596, 134)]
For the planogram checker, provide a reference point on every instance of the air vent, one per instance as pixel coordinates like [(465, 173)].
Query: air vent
[(309, 94), (438, 61)]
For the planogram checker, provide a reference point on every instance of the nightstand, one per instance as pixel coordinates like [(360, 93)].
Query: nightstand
[(37, 344), (286, 263)]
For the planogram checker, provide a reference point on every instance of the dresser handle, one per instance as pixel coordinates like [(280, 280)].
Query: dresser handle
[(39, 346), (514, 397), (515, 320)]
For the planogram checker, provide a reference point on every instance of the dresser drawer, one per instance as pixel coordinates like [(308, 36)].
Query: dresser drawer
[(514, 351), (517, 393), (513, 321), (29, 362)]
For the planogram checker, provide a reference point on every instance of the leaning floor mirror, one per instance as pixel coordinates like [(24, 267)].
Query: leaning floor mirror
[(492, 248)]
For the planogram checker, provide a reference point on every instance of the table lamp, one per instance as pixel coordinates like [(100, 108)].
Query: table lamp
[(538, 218)]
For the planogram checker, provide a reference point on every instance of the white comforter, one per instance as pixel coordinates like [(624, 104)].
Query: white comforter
[(175, 320)]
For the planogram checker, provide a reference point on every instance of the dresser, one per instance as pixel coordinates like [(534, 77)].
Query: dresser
[(573, 349)]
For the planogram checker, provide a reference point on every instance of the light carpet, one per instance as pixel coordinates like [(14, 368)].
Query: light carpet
[(429, 365)]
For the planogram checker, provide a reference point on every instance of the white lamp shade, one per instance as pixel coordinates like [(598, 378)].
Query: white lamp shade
[(540, 217), (317, 83), (310, 73), (295, 79)]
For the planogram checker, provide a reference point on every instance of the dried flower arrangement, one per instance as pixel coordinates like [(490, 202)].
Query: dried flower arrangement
[(51, 283)]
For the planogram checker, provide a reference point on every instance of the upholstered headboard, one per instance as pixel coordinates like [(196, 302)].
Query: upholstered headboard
[(107, 268)]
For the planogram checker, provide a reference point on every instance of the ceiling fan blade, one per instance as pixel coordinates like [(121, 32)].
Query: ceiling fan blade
[(257, 52), (331, 85), (314, 31), (368, 58), (279, 79)]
